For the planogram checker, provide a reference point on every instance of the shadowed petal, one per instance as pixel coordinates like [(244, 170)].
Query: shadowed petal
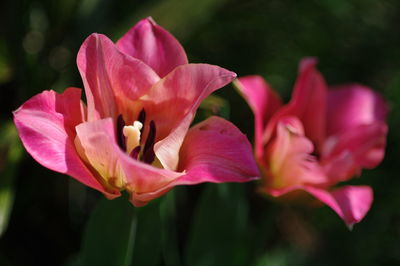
[(46, 124), (216, 151), (153, 45), (351, 203), (112, 79), (94, 142), (172, 104), (263, 101)]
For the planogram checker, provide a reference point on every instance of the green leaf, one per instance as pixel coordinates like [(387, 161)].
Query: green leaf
[(218, 234), (147, 249), (110, 233), (169, 238), (117, 233)]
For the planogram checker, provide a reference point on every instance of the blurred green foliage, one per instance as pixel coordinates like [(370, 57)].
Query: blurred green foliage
[(10, 154), (54, 218)]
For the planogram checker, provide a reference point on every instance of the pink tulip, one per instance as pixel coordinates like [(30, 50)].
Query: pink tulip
[(320, 138), (142, 95)]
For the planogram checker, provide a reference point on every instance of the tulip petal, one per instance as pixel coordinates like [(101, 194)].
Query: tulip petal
[(216, 151), (46, 124), (309, 100), (352, 105), (229, 160), (308, 103), (357, 131), (172, 104), (351, 203), (363, 146), (112, 79), (145, 182), (153, 45), (290, 157), (263, 101)]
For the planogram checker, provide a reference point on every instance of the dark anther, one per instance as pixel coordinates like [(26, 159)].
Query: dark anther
[(315, 154), (142, 119), (135, 152), (142, 116), (120, 134), (148, 151)]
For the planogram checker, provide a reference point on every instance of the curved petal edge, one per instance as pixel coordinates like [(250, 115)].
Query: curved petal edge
[(46, 124)]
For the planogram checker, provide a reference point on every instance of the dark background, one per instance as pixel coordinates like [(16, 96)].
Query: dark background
[(46, 213)]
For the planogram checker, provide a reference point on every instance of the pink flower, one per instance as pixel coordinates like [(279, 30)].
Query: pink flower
[(134, 133), (320, 138)]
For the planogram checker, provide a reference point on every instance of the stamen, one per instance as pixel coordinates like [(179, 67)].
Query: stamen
[(142, 116), (142, 119), (132, 134), (120, 136), (148, 151), (135, 152), (129, 138)]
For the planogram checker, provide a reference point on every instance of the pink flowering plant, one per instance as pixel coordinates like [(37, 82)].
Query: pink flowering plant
[(139, 145), (133, 133), (322, 137)]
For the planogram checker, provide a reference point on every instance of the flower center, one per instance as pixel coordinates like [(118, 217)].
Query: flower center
[(130, 138)]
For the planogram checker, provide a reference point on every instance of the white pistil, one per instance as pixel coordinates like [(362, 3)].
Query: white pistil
[(132, 135)]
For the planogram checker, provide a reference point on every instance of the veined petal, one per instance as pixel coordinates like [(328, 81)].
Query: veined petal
[(46, 124), (308, 103), (173, 101), (352, 105), (216, 151), (112, 79), (290, 159), (153, 45), (116, 168), (351, 203), (263, 101), (94, 143)]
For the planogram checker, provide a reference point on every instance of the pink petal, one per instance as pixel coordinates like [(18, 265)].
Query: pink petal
[(112, 79), (352, 105), (213, 151), (216, 151), (290, 159), (143, 181), (46, 124), (356, 131), (153, 45), (346, 154), (263, 101), (351, 203), (173, 101), (308, 103)]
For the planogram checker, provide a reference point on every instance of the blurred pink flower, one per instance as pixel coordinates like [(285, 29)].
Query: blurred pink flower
[(134, 134), (320, 138)]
